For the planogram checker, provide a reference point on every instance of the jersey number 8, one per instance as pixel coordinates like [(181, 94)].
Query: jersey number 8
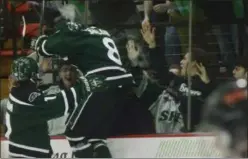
[(113, 53)]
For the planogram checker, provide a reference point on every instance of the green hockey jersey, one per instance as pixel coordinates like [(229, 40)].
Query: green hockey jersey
[(28, 111), (91, 49)]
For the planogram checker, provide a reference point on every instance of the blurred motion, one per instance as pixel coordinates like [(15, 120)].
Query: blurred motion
[(225, 115)]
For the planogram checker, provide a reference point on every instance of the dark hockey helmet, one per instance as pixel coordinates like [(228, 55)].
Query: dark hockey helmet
[(226, 112), (24, 68)]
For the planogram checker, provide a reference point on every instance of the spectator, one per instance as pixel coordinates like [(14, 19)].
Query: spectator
[(175, 69), (136, 118), (201, 27), (179, 16), (179, 89), (172, 46), (176, 37), (68, 76), (241, 68), (146, 74), (155, 13), (108, 14), (225, 26)]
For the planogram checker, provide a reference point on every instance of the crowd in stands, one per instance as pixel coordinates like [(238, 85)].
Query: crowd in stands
[(215, 41), (161, 60)]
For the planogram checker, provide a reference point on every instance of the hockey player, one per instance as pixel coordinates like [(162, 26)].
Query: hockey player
[(28, 111), (94, 53), (225, 114)]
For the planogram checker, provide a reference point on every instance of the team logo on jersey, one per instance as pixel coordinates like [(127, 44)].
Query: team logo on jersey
[(33, 96)]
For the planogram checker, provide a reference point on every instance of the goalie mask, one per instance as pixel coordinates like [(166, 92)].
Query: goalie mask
[(226, 114), (24, 68)]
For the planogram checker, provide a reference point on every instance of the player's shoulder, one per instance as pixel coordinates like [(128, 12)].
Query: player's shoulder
[(29, 96)]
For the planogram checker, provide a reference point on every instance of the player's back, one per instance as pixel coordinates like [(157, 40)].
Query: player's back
[(96, 50), (91, 49)]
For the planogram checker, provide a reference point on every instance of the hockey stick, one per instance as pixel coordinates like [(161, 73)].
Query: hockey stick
[(41, 23), (34, 55)]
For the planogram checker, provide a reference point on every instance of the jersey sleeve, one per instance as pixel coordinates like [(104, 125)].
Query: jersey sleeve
[(63, 42), (36, 105), (52, 106)]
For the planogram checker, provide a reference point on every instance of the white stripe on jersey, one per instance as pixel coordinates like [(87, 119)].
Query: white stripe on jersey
[(11, 154), (66, 102), (75, 97), (43, 48), (9, 106), (8, 125), (118, 77), (99, 145), (29, 147), (94, 140), (75, 139), (49, 98), (74, 149), (80, 112), (18, 101)]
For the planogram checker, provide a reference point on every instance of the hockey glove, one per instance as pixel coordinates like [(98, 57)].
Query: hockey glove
[(97, 83), (84, 87), (93, 83)]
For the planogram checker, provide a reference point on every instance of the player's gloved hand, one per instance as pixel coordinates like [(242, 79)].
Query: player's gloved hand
[(37, 42), (83, 86)]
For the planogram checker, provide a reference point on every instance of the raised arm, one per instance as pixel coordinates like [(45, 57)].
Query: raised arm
[(148, 4), (51, 106), (157, 59), (68, 37)]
